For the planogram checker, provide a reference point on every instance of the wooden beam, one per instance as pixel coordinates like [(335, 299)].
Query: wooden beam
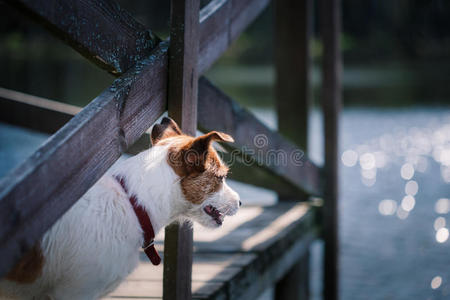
[(183, 83), (75, 157), (46, 116), (99, 30), (331, 103), (266, 147), (34, 112)]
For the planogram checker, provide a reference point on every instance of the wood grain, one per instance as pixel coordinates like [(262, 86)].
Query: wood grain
[(182, 103), (293, 27), (224, 268), (99, 30)]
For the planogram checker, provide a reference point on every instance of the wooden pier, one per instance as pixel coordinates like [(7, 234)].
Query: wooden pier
[(262, 246)]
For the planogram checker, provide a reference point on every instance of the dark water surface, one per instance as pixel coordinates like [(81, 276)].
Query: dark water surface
[(394, 198)]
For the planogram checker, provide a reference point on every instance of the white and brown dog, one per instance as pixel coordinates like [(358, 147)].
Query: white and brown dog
[(95, 245)]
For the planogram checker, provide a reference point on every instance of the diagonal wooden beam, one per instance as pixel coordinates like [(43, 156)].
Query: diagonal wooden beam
[(100, 30), (252, 138)]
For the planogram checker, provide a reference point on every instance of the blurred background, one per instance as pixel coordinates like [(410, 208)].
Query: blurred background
[(394, 131)]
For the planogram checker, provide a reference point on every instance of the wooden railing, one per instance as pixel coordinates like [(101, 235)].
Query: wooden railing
[(151, 71)]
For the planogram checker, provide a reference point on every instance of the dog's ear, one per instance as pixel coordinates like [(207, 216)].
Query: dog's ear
[(165, 129), (198, 150)]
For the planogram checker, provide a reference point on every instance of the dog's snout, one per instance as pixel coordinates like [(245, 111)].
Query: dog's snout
[(240, 203)]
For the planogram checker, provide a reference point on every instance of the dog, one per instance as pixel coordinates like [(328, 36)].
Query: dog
[(95, 245)]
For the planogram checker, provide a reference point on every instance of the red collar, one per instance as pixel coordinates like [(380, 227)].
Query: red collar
[(146, 225)]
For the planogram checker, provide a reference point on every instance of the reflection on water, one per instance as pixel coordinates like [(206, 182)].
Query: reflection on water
[(412, 147), (394, 209), (436, 282)]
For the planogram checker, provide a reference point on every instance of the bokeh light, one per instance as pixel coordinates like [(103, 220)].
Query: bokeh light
[(442, 235), (436, 282), (367, 161), (439, 223), (349, 158), (442, 206), (387, 207), (408, 203), (407, 171), (411, 188)]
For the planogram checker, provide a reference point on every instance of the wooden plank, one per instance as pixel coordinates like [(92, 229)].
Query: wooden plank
[(331, 102), (268, 242), (293, 22), (100, 30), (295, 283), (221, 22), (256, 229), (255, 139), (34, 112), (75, 157), (183, 83)]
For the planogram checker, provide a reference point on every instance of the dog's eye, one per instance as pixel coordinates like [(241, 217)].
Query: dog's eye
[(221, 178)]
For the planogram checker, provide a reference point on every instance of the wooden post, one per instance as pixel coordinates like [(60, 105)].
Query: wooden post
[(182, 102), (295, 283), (331, 102), (293, 22)]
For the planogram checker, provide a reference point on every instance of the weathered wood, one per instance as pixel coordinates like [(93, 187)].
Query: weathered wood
[(182, 103), (250, 252), (34, 112), (108, 36), (258, 176), (75, 157), (183, 53), (295, 283), (99, 30), (331, 102), (254, 139), (293, 22), (221, 22)]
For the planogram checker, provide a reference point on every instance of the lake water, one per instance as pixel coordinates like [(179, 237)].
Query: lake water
[(394, 198)]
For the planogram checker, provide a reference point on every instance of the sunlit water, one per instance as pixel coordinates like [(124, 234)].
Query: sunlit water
[(394, 198)]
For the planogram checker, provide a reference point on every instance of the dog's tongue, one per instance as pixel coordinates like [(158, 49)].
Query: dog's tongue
[(208, 209)]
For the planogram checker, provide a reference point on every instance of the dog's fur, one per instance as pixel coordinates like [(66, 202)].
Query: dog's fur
[(95, 245)]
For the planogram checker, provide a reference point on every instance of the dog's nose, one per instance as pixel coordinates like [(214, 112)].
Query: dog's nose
[(240, 203)]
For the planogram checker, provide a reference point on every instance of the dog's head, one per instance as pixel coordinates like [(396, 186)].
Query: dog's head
[(202, 173)]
